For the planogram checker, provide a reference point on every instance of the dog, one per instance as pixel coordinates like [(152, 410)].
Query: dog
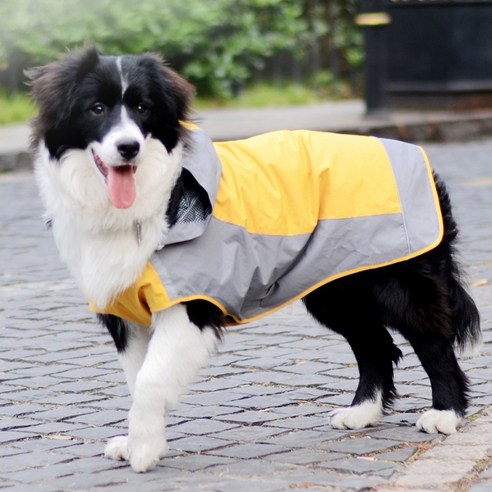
[(133, 191)]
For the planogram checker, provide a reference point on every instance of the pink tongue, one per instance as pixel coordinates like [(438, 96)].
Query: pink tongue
[(121, 186)]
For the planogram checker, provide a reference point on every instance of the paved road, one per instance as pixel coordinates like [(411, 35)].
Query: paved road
[(258, 417)]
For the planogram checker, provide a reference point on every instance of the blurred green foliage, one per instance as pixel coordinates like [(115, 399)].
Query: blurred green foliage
[(15, 108), (219, 45)]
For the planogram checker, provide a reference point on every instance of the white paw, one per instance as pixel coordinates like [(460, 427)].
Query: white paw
[(444, 421), (358, 416), (117, 448), (145, 453)]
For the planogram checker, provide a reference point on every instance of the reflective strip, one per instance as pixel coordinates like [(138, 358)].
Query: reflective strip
[(253, 274), (418, 195)]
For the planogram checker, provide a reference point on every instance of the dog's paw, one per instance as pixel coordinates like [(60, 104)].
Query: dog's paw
[(357, 416), (443, 421), (144, 454), (117, 448)]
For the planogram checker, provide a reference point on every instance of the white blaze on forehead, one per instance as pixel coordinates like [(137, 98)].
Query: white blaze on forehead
[(120, 170), (124, 130), (124, 82), (128, 128)]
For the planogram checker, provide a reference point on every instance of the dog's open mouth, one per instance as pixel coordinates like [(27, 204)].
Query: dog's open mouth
[(120, 181)]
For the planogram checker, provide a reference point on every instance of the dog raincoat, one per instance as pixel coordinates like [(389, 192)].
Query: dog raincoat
[(282, 214)]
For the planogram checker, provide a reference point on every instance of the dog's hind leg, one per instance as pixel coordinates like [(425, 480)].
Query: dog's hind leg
[(443, 316), (433, 312), (372, 345), (448, 382), (375, 357)]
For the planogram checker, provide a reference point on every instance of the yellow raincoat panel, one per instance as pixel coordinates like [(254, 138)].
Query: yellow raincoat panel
[(282, 183)]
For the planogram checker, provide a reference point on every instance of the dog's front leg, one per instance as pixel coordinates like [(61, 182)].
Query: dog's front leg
[(176, 351), (133, 342)]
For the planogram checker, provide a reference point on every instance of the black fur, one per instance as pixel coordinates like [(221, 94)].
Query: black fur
[(204, 314), (117, 328)]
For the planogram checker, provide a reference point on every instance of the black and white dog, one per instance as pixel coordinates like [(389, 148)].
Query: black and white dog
[(109, 142)]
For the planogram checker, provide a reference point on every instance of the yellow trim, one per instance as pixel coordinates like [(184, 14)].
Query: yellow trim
[(373, 19), (189, 125), (137, 303)]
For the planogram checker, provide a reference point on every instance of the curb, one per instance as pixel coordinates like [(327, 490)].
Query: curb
[(455, 464), (15, 161), (435, 128), (409, 127)]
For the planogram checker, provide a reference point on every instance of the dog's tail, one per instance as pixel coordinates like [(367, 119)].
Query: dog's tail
[(466, 319), (464, 312)]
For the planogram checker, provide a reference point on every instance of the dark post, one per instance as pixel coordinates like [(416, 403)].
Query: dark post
[(374, 19), (439, 54)]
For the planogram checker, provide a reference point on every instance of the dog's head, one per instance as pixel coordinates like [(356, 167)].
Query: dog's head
[(109, 107)]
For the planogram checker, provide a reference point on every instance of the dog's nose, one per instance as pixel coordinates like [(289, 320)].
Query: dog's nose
[(128, 149)]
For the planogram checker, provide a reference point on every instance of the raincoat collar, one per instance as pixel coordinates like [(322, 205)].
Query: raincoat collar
[(202, 168)]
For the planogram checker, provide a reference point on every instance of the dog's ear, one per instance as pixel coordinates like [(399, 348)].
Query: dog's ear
[(176, 92), (184, 93), (53, 85), (172, 96)]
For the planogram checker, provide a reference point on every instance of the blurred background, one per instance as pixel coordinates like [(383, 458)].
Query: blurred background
[(395, 54), (235, 52)]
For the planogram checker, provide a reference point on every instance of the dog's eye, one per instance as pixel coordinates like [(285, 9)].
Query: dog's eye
[(142, 108), (97, 109)]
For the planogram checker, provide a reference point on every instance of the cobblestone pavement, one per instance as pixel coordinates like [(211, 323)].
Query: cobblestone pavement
[(257, 419)]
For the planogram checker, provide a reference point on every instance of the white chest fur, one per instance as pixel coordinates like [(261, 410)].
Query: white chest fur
[(105, 248)]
